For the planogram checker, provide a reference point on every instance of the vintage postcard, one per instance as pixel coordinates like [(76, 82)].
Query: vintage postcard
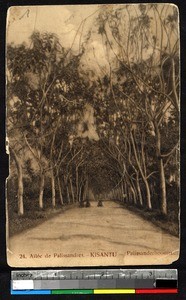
[(93, 135)]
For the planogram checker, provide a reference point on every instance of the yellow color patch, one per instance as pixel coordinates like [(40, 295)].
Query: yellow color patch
[(114, 291)]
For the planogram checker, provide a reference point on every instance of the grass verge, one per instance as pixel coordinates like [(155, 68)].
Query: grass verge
[(31, 219), (156, 218)]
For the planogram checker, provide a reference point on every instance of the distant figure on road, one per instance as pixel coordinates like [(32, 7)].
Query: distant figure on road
[(100, 203), (87, 203)]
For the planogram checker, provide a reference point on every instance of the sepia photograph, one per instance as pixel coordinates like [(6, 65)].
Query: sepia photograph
[(92, 132)]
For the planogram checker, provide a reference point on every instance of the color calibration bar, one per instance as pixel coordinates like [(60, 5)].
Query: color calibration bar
[(99, 291), (94, 281)]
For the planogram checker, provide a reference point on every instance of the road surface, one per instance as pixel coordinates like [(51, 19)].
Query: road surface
[(109, 235)]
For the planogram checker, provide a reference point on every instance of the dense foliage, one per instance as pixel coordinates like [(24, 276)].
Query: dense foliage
[(114, 133)]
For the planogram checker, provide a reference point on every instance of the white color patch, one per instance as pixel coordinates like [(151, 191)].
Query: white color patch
[(23, 285)]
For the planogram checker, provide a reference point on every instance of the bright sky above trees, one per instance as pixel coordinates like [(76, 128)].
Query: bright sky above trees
[(72, 24)]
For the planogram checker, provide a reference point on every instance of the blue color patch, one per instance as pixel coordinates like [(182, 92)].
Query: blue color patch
[(31, 292)]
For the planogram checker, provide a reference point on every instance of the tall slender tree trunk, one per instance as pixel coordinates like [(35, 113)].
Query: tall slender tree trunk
[(129, 195), (139, 190), (77, 184), (84, 192), (176, 96), (53, 189), (163, 188), (20, 183), (122, 191), (41, 189), (80, 192), (72, 190), (134, 194), (129, 198), (60, 190), (126, 192), (68, 194), (148, 194), (161, 171)]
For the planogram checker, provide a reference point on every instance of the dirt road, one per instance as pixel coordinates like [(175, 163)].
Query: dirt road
[(109, 235)]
